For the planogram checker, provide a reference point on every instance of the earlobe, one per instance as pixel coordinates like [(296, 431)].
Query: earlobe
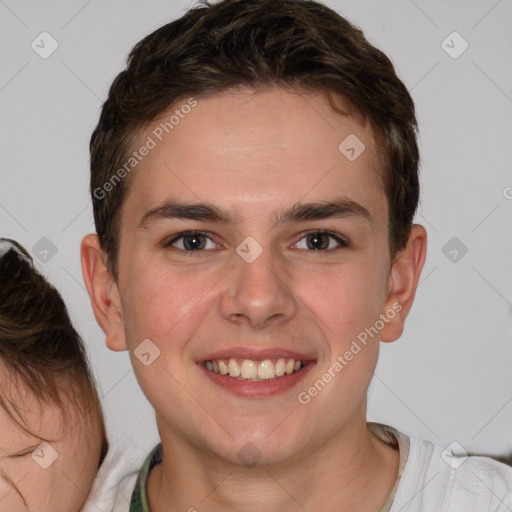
[(403, 281), (103, 292)]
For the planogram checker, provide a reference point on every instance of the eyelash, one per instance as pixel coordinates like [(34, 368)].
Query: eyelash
[(167, 244), (27, 451)]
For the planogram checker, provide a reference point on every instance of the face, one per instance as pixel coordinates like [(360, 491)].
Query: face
[(258, 276), (39, 476)]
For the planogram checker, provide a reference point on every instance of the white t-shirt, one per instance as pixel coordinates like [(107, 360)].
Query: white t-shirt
[(430, 479), (116, 477)]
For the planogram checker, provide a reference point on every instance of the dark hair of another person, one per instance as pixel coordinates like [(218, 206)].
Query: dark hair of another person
[(40, 347)]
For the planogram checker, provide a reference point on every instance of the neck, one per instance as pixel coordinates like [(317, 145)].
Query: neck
[(337, 475)]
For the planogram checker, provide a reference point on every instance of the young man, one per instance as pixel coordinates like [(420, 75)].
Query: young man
[(254, 177)]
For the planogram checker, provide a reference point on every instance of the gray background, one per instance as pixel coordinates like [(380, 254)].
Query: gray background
[(449, 377)]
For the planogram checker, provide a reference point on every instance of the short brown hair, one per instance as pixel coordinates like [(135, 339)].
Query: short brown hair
[(299, 44), (38, 344)]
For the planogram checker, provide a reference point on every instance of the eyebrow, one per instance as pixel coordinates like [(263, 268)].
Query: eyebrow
[(339, 207)]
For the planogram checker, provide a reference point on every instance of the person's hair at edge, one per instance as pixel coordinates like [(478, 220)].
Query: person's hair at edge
[(40, 347), (299, 45)]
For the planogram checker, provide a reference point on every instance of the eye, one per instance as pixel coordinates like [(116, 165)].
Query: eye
[(26, 451), (188, 242), (318, 240)]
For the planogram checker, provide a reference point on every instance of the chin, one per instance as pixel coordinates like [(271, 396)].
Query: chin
[(253, 450)]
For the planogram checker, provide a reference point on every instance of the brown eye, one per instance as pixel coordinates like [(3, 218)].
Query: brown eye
[(189, 242), (320, 240)]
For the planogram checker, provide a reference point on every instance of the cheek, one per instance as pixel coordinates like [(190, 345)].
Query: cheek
[(156, 300), (33, 486), (347, 301), (71, 481), (345, 298), (10, 498), (165, 306), (76, 480)]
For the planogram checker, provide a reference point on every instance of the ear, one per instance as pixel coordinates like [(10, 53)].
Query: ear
[(402, 283), (103, 292)]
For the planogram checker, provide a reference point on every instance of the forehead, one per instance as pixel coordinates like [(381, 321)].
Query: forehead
[(258, 149), (29, 428), (44, 420)]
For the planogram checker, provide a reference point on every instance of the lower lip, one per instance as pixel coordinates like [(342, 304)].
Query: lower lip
[(258, 388)]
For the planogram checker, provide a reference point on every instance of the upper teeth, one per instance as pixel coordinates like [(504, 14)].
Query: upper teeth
[(249, 369)]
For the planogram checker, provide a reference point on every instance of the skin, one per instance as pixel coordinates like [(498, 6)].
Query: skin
[(253, 155), (64, 485)]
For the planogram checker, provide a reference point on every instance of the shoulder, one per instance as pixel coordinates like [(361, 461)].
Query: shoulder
[(116, 478), (435, 479)]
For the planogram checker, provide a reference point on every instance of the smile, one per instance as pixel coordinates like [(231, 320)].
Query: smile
[(248, 369), (251, 373)]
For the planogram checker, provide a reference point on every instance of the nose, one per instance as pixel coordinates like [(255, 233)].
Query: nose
[(258, 293)]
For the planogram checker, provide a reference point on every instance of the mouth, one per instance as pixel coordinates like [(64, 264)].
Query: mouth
[(256, 374), (256, 371)]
